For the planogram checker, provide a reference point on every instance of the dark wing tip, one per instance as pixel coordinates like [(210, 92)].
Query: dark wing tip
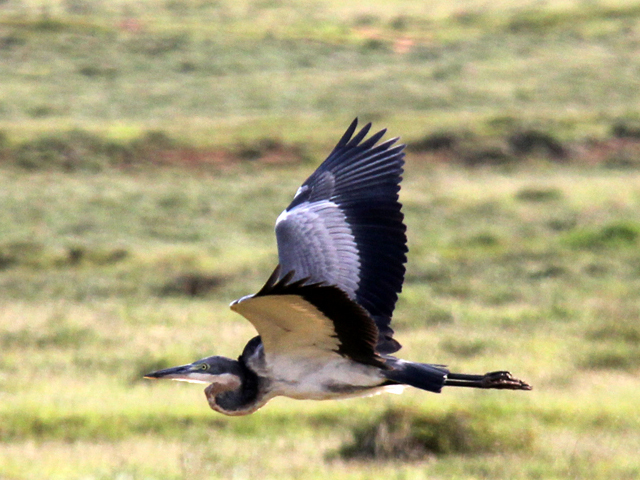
[(344, 140), (359, 136), (349, 141)]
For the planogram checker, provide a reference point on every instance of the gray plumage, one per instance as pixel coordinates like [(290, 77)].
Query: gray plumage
[(324, 315)]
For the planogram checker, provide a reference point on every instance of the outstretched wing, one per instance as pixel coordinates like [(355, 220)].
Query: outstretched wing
[(300, 320), (344, 227)]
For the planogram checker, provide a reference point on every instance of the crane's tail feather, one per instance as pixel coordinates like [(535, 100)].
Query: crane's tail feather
[(420, 375)]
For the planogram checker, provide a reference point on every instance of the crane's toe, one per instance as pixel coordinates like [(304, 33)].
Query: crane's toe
[(503, 380)]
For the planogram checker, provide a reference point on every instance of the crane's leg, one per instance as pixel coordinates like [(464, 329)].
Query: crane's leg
[(501, 380)]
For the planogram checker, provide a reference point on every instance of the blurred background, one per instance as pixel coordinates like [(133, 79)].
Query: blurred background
[(146, 148)]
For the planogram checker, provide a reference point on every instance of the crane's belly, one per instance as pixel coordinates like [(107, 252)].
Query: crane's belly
[(319, 379)]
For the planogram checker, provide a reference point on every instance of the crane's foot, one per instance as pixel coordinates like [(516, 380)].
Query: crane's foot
[(504, 380), (497, 380)]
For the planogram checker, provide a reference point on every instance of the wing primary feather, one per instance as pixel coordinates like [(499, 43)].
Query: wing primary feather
[(372, 140), (365, 156), (359, 136), (346, 137), (383, 147), (356, 153)]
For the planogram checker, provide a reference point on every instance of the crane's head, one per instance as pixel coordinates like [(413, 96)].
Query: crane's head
[(232, 390), (221, 371)]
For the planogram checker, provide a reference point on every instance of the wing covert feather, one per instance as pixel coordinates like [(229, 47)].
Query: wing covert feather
[(294, 318)]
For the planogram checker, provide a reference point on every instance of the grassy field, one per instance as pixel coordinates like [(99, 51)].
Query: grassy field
[(534, 270), (217, 72), (146, 149)]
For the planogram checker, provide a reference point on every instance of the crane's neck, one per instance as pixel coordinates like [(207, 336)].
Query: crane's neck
[(246, 394)]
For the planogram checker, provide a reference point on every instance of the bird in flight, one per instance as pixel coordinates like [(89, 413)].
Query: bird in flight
[(324, 316)]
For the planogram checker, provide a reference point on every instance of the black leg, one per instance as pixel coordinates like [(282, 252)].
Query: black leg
[(500, 380)]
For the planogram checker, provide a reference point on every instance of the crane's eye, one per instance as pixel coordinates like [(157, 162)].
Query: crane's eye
[(204, 366)]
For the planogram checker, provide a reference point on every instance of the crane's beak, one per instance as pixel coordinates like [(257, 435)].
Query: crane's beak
[(183, 373), (168, 372)]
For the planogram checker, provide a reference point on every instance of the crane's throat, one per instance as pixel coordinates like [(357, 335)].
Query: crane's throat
[(233, 395), (223, 383)]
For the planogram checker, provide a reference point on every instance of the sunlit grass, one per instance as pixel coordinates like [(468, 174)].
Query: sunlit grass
[(492, 284), (219, 72), (532, 266)]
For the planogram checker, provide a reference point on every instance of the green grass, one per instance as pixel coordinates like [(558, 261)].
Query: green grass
[(78, 335), (147, 147), (218, 72)]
